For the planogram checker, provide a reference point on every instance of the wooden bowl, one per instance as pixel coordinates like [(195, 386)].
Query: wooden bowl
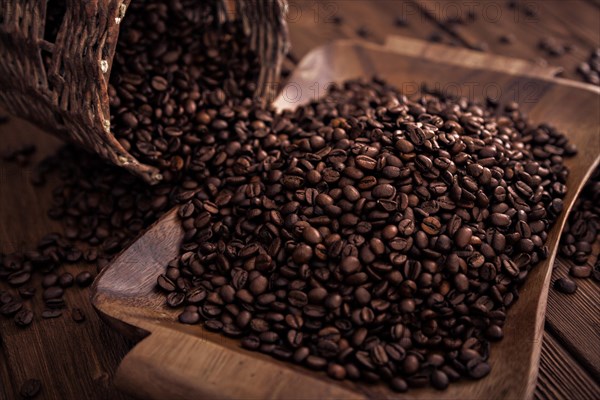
[(176, 361)]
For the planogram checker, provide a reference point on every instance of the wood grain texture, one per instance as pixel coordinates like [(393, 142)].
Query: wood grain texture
[(22, 209), (494, 19), (313, 23), (71, 360), (575, 320), (561, 377), (126, 292)]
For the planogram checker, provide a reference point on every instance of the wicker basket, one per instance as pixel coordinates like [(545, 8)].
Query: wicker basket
[(69, 98)]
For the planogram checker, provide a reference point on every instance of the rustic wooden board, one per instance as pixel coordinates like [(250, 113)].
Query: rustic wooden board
[(493, 20), (561, 377), (178, 361), (313, 23), (71, 360), (23, 210), (575, 320)]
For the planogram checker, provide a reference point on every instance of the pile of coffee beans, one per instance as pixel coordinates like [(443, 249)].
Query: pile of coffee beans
[(379, 239), (581, 233), (181, 95), (370, 235), (590, 69), (178, 81)]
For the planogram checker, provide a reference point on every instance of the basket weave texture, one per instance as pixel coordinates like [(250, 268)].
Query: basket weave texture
[(67, 95)]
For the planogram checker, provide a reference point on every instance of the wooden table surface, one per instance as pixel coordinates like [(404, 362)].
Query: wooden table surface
[(78, 361)]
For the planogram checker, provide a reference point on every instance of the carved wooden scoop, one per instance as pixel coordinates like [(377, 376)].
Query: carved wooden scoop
[(178, 361)]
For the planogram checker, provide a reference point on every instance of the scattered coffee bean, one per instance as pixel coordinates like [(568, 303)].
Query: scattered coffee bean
[(24, 317), (582, 232), (30, 388), (401, 22), (77, 315), (508, 38), (49, 280), (363, 32), (65, 280), (565, 285), (48, 313), (590, 70), (581, 271), (553, 47), (339, 236)]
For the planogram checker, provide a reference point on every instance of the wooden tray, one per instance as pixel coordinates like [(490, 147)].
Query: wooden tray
[(176, 361)]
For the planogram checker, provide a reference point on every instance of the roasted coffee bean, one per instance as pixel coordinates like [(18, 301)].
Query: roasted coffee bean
[(410, 364), (581, 271), (53, 292), (19, 278), (24, 317), (11, 307), (30, 388), (565, 285), (399, 384), (500, 220), (213, 325), (315, 362), (49, 280), (84, 279), (479, 370), (189, 317), (463, 236), (336, 371), (77, 315), (439, 380), (494, 332), (175, 299), (341, 235), (250, 342), (66, 280)]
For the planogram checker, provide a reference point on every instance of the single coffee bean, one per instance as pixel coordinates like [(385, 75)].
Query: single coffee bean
[(565, 285), (84, 279), (250, 342), (463, 236), (189, 317), (53, 292), (49, 280), (581, 271), (336, 371), (47, 314), (399, 385), (65, 280), (479, 370), (77, 315), (339, 241), (439, 380), (315, 362)]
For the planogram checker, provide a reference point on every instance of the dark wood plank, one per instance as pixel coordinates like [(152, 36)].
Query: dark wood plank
[(312, 23), (575, 319), (71, 360), (550, 18), (561, 377)]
